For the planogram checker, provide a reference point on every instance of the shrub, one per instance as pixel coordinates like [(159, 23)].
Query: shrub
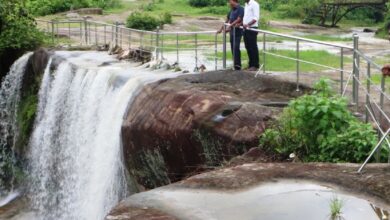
[(204, 3), (319, 127), (383, 32), (297, 8), (142, 21), (217, 10), (166, 18), (45, 7), (17, 27)]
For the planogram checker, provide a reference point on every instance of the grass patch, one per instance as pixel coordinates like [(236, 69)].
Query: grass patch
[(274, 63), (327, 38)]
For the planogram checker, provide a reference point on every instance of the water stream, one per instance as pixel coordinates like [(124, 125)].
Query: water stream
[(75, 162), (9, 100)]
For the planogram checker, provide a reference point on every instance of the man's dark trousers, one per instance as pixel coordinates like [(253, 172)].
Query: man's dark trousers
[(250, 40), (235, 41)]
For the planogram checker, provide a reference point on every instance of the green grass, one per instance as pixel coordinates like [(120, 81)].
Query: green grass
[(274, 63), (327, 38), (336, 205)]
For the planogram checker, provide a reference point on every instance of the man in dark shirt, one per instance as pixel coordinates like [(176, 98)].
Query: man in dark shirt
[(234, 18)]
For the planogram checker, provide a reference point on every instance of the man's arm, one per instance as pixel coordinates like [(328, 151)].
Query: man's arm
[(221, 29), (237, 22), (223, 26)]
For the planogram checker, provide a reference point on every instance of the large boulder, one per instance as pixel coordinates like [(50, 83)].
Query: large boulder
[(179, 126)]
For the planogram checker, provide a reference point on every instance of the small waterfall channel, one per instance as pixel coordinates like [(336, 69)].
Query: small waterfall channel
[(75, 161)]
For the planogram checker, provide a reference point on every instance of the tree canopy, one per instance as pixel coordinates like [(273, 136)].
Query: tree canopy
[(17, 28)]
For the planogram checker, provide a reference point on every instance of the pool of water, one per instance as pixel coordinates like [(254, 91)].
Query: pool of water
[(283, 200)]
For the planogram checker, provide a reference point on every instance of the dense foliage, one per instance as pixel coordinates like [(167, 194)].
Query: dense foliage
[(17, 27), (45, 7), (204, 3), (145, 21), (384, 30), (319, 127)]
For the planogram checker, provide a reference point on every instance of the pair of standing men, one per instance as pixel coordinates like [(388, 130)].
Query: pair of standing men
[(248, 18)]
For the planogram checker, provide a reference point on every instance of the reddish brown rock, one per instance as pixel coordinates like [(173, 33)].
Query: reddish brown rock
[(179, 126)]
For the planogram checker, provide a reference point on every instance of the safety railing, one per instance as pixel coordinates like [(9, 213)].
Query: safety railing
[(208, 49), (188, 49)]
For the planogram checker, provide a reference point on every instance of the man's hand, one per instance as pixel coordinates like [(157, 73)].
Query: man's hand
[(246, 26)]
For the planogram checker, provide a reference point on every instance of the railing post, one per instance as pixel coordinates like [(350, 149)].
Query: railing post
[(52, 31), (157, 42), (341, 71), (86, 30), (216, 51), (69, 30), (224, 47), (264, 51), (368, 90), (129, 39), (177, 48), (355, 88), (196, 51), (96, 35), (298, 65), (382, 105), (116, 33), (162, 46), (105, 32), (81, 32)]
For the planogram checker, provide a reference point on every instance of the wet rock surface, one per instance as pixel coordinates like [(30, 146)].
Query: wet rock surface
[(178, 127), (373, 184)]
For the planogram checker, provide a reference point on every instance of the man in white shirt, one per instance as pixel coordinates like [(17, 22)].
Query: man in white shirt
[(251, 21)]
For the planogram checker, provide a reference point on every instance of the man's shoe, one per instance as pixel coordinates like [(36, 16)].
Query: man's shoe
[(253, 69)]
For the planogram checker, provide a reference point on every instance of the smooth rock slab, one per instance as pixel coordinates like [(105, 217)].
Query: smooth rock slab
[(245, 190)]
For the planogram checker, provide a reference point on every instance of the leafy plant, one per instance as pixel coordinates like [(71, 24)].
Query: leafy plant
[(204, 3), (144, 21), (336, 206), (319, 127), (166, 18), (17, 27), (45, 7)]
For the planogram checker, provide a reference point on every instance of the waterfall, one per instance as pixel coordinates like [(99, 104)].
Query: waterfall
[(9, 100), (75, 160)]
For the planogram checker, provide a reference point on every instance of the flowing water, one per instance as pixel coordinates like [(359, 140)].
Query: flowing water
[(9, 100), (75, 159)]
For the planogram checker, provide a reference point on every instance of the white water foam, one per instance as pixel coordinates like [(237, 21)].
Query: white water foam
[(9, 101), (75, 155)]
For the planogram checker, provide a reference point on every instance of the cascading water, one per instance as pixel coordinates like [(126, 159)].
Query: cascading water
[(75, 159), (9, 100)]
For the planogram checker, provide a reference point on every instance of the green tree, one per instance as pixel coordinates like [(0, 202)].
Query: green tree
[(17, 28)]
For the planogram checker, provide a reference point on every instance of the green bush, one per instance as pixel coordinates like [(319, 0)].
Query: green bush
[(204, 3), (166, 18), (383, 32), (17, 27), (142, 21), (319, 127), (297, 8), (45, 7)]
